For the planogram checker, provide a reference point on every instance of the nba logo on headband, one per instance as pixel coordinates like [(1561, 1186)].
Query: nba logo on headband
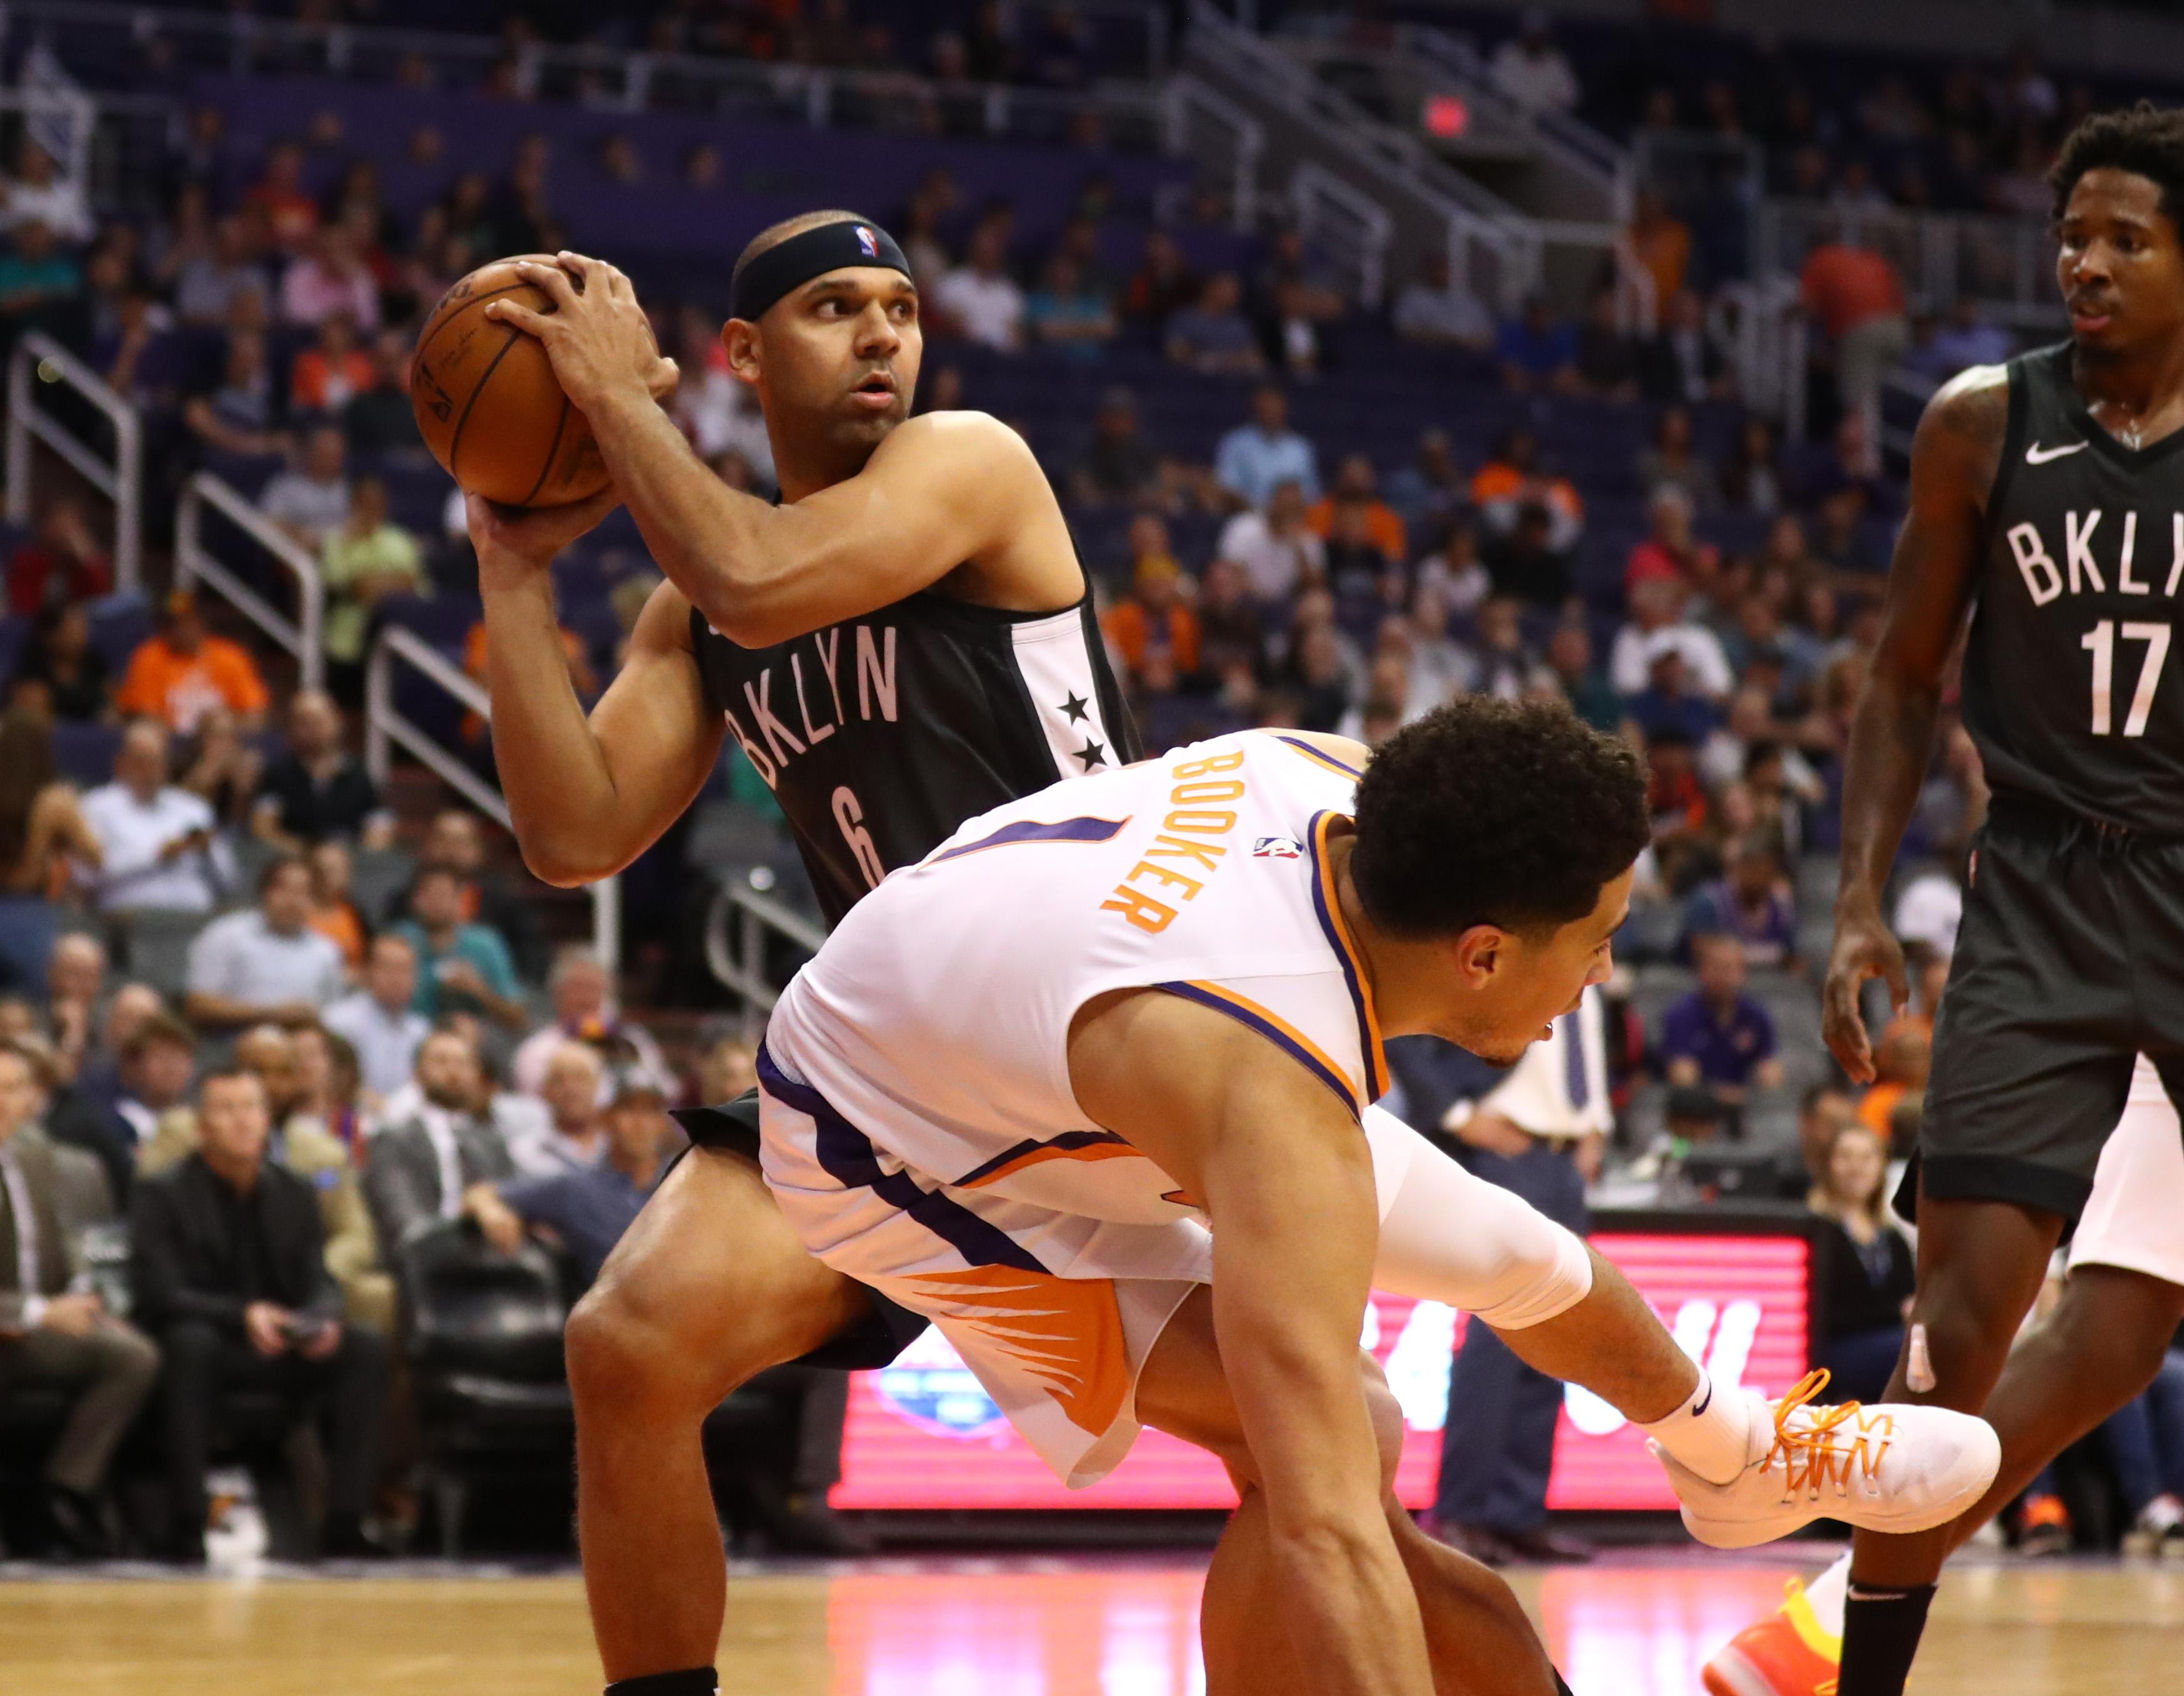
[(868, 241)]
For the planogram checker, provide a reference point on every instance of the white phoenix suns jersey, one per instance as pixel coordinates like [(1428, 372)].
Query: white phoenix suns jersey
[(935, 1020)]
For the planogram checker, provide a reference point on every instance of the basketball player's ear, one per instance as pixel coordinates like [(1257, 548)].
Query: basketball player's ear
[(739, 337), (1479, 955)]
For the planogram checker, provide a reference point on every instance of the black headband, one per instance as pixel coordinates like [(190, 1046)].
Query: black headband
[(767, 277)]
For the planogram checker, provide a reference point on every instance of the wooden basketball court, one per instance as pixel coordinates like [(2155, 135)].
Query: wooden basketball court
[(1011, 1625)]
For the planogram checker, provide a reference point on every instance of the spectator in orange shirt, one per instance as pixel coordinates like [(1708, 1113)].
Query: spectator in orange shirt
[(1156, 610), (1661, 243), (290, 215), (1356, 486), (1900, 1063), (1859, 299), (179, 674), (327, 375), (1510, 480)]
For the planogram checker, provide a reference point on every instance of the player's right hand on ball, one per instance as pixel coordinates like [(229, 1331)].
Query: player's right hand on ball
[(1864, 948), (528, 537)]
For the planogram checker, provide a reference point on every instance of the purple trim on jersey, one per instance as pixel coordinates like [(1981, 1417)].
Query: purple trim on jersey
[(1289, 1045), (1031, 831), (1312, 751), (1369, 1046), (1068, 1139), (847, 1156)]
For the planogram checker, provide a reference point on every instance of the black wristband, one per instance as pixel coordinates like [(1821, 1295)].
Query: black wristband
[(691, 1680)]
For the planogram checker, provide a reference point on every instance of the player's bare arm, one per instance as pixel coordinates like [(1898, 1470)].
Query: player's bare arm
[(953, 495), (1287, 1180), (586, 795), (1953, 459)]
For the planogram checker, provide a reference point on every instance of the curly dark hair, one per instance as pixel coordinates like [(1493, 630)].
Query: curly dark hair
[(2145, 140), (1508, 813)]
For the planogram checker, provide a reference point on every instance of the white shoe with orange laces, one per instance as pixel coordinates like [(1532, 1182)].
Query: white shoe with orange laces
[(1892, 1467)]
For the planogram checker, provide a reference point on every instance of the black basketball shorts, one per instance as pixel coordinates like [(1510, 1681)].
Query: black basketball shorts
[(889, 1328), (2069, 964)]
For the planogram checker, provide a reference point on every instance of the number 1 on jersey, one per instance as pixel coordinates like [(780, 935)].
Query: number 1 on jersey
[(2100, 642)]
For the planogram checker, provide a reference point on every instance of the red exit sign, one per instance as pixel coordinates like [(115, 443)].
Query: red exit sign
[(923, 1434)]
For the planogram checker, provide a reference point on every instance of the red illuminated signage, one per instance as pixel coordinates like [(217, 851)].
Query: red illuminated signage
[(922, 1434)]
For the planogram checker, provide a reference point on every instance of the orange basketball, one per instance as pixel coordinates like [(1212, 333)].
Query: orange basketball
[(488, 401)]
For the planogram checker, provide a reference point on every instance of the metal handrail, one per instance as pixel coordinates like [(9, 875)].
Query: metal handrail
[(121, 482), (742, 966), (1186, 96), (386, 726), (194, 562), (1312, 181)]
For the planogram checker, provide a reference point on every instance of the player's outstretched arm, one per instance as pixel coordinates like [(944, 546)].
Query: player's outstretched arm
[(946, 491), (586, 796), (1892, 738), (1287, 1180)]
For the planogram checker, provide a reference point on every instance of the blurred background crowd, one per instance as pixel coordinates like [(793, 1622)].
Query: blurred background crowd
[(1304, 500)]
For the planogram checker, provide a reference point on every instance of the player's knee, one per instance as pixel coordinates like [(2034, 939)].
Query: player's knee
[(625, 1351), (1538, 1270)]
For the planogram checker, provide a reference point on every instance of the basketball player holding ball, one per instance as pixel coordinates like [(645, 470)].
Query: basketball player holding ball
[(906, 642)]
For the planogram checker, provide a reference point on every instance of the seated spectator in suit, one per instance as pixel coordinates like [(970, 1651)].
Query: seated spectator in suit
[(416, 1171), (157, 845), (582, 990), (318, 789), (69, 1117), (1864, 1266), (575, 1135), (265, 962), (179, 673), (297, 1145), (583, 1210), (1718, 1038), (380, 1017), (98, 1067), (53, 1330), (228, 1270), (461, 966), (62, 665), (456, 840), (157, 1062)]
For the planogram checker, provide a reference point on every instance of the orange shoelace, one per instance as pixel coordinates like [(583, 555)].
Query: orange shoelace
[(1833, 1443)]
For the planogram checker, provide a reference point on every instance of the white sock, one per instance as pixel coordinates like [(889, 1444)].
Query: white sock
[(1826, 1594), (1711, 1434)]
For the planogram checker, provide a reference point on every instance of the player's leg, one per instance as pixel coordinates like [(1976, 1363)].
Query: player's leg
[(1477, 1634), (709, 1287)]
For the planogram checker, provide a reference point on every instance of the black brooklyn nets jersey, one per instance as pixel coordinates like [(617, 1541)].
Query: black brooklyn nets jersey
[(881, 734), (2071, 689)]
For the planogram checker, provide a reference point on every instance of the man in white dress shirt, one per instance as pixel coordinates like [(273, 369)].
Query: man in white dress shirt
[(1539, 1133), (157, 843)]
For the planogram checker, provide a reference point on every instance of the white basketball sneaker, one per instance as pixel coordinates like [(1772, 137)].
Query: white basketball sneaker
[(1892, 1467)]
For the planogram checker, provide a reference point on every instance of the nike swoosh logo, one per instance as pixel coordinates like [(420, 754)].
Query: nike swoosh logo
[(2037, 455), (1706, 1402)]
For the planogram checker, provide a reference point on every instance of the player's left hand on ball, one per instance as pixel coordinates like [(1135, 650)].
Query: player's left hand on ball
[(530, 536), (598, 336)]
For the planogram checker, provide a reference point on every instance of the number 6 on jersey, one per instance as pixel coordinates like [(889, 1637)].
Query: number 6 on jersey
[(2100, 641)]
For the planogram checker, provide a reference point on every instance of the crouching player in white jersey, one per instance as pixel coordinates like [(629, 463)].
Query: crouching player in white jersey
[(1084, 1086)]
